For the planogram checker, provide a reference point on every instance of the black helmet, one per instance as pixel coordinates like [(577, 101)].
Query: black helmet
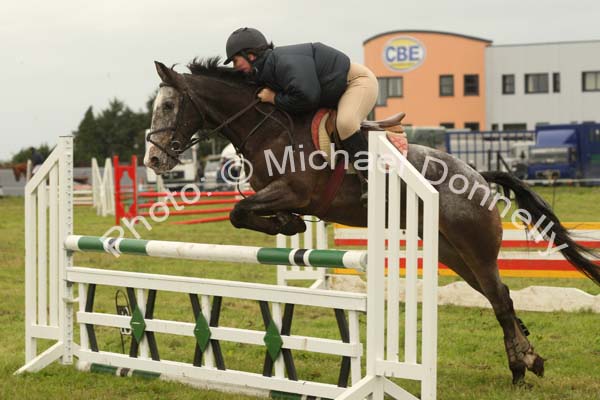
[(243, 39)]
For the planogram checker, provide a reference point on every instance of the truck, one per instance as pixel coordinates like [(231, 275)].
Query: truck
[(183, 173), (569, 151)]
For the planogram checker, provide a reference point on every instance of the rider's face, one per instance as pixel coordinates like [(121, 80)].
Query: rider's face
[(241, 64)]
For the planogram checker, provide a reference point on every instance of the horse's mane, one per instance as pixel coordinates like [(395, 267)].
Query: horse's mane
[(211, 67)]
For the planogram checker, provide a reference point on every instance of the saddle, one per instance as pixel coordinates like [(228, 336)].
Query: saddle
[(324, 131), (391, 124)]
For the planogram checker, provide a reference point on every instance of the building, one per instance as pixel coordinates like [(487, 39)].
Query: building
[(540, 84), (459, 81), (436, 78)]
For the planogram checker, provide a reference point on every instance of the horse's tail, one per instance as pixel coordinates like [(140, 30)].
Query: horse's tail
[(540, 210)]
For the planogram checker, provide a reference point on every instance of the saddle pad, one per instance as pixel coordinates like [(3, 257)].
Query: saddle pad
[(322, 140), (320, 137), (399, 141)]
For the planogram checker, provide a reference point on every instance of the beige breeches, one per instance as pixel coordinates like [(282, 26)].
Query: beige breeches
[(357, 101)]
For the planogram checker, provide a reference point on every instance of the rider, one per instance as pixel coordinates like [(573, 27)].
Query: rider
[(36, 160), (304, 77)]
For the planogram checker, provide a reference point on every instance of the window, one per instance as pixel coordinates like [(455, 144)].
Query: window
[(514, 127), (536, 83), (473, 126), (371, 115), (383, 92), (556, 82), (389, 87), (471, 85), (595, 135), (508, 84), (395, 87), (494, 127), (447, 125), (446, 85), (590, 81)]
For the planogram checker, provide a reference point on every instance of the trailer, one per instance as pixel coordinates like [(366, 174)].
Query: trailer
[(491, 150)]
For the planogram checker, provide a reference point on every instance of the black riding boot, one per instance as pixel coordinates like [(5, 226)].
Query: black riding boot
[(357, 143)]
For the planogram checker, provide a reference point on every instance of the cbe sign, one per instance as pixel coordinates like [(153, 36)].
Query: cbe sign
[(403, 53)]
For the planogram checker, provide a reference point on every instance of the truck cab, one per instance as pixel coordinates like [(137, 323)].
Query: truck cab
[(183, 173), (566, 152)]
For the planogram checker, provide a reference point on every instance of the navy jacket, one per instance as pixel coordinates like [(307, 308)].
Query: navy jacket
[(305, 76)]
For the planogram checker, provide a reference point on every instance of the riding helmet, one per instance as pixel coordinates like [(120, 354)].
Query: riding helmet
[(243, 39)]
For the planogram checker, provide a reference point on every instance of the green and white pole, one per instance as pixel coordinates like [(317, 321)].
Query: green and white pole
[(351, 259)]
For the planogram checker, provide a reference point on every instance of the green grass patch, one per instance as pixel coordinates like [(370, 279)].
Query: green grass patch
[(471, 365)]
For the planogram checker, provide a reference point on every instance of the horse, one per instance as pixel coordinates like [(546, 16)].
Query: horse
[(20, 170), (213, 98)]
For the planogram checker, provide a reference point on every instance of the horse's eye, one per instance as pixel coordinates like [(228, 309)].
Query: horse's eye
[(168, 106)]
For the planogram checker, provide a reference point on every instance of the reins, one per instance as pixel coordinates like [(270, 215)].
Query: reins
[(174, 153)]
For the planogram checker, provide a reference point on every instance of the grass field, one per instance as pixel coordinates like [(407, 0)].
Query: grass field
[(472, 363)]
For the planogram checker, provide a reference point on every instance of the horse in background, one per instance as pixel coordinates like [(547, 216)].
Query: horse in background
[(19, 170)]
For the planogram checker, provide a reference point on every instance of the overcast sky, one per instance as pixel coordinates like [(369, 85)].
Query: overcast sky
[(59, 57)]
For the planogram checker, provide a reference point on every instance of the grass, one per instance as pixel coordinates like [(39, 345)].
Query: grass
[(471, 365)]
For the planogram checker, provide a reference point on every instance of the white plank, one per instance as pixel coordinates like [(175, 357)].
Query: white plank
[(213, 375), (215, 287)]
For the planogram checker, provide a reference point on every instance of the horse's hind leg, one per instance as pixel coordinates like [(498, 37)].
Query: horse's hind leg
[(521, 355), (520, 352), (475, 259), (450, 257)]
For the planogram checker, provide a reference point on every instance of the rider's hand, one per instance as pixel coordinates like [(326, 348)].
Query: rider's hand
[(266, 95)]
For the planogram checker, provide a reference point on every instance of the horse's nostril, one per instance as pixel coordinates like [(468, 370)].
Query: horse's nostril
[(154, 161)]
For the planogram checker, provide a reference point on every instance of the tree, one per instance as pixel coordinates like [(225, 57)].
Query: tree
[(116, 130), (25, 154), (87, 139)]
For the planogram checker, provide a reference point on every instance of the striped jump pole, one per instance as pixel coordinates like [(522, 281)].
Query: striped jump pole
[(202, 220), (217, 252), (191, 194)]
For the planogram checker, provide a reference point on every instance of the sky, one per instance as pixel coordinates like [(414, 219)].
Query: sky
[(60, 57)]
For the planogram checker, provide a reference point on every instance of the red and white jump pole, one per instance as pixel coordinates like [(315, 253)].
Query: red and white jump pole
[(177, 200)]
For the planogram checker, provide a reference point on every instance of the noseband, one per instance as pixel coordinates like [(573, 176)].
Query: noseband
[(176, 141), (176, 147)]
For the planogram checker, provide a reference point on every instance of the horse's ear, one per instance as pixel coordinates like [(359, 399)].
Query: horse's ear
[(167, 75)]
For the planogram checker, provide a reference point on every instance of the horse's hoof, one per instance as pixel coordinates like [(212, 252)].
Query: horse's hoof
[(538, 366), (518, 373), (290, 224), (523, 385)]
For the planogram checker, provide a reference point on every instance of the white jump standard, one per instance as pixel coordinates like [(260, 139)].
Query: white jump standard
[(50, 278)]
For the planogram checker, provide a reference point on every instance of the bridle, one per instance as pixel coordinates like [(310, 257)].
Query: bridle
[(176, 147)]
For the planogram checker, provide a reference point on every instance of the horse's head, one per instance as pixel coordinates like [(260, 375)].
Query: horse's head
[(175, 119)]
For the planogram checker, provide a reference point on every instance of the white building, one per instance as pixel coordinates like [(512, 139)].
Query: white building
[(542, 83)]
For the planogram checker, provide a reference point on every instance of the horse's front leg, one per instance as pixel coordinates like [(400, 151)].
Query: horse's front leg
[(267, 210)]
